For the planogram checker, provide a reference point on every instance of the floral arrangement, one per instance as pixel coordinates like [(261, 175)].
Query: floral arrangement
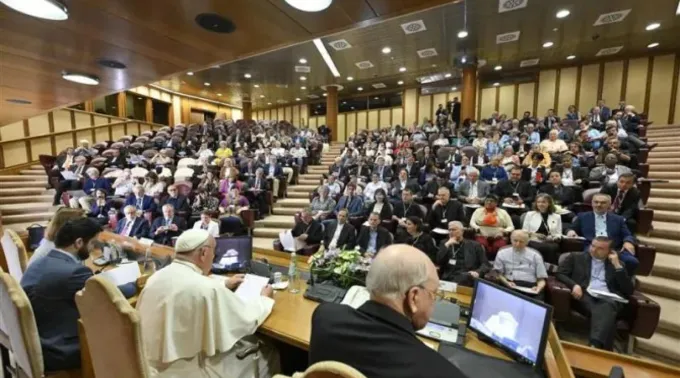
[(343, 268)]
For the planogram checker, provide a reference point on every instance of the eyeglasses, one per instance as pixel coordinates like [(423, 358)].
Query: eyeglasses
[(436, 295)]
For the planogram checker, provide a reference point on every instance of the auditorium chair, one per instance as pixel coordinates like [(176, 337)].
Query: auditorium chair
[(47, 162), (639, 317), (18, 318)]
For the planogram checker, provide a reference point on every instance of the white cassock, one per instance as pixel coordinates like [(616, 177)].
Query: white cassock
[(193, 326)]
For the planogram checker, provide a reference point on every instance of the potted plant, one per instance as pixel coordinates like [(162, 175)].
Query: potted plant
[(343, 269)]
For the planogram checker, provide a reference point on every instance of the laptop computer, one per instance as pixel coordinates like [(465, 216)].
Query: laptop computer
[(443, 324)]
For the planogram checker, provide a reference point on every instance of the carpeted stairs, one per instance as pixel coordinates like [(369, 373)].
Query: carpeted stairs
[(24, 200)]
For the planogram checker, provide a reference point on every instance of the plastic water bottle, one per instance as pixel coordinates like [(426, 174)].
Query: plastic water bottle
[(292, 274)]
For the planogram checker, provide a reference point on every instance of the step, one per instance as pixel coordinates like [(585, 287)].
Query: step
[(667, 265), (46, 198), (303, 188), (26, 208), (664, 148), (297, 194), (20, 228), (268, 232), (664, 175), (664, 287), (309, 181), (5, 192), (664, 193), (23, 184), (293, 202), (263, 243), (671, 204), (670, 308), (311, 176), (37, 166), (276, 221), (671, 184), (42, 179), (662, 245), (286, 210), (664, 142), (660, 345), (33, 172), (665, 230), (654, 154), (656, 161), (668, 135), (664, 167), (27, 218), (667, 216)]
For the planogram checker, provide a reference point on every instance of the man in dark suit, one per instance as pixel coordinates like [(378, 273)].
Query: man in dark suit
[(598, 269), (455, 111), (179, 203), (602, 222), (515, 190), (461, 260), (403, 182), (625, 199), (384, 172), (412, 168), (116, 160), (168, 226), (379, 338), (605, 111), (142, 202), (308, 230), (550, 120), (51, 284), (353, 203), (374, 237), (340, 234), (256, 194), (78, 169), (561, 195), (444, 211), (132, 225)]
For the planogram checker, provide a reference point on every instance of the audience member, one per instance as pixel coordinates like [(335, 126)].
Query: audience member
[(544, 227), (626, 199), (521, 266), (61, 216), (419, 239), (168, 226), (444, 211), (461, 260), (491, 225), (142, 202), (133, 225), (374, 237), (340, 234), (208, 224)]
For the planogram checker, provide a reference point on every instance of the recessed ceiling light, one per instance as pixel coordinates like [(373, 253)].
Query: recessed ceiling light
[(498, 68), (325, 94), (206, 84), (303, 78), (677, 11), (462, 34), (109, 63), (269, 103), (386, 50), (302, 61), (303, 88), (247, 76), (256, 85), (454, 88), (555, 29), (360, 89), (80, 78), (496, 84), (46, 9), (352, 107), (139, 98), (215, 23), (562, 13), (219, 95), (653, 26), (349, 78), (261, 96), (548, 44), (448, 75), (653, 45), (571, 57), (309, 5), (402, 69), (400, 82), (297, 99), (463, 59), (18, 101), (376, 98), (190, 73)]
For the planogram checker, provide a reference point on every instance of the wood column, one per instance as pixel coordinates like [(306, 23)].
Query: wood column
[(121, 104), (332, 111), (469, 93), (148, 110), (247, 111), (89, 106)]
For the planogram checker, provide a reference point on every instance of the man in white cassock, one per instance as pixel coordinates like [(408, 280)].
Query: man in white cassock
[(193, 325)]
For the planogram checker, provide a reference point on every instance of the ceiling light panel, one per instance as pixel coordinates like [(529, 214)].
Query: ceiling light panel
[(340, 44), (612, 17), (529, 62), (366, 64), (427, 53), (310, 5), (609, 51), (414, 27), (511, 5), (379, 85), (507, 37), (326, 57), (303, 69), (53, 10)]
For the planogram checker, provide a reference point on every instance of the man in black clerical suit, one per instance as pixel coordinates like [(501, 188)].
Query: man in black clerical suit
[(379, 338), (461, 260), (625, 199), (340, 234), (412, 168), (506, 189), (444, 211), (561, 195), (308, 229)]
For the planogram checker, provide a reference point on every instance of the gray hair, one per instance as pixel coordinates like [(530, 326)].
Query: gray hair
[(169, 206), (517, 234), (393, 277), (129, 207), (473, 170), (457, 224)]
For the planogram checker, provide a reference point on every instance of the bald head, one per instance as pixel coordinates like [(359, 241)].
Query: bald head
[(396, 269), (519, 239)]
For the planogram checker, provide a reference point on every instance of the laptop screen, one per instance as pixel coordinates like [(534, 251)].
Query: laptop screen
[(234, 253), (512, 321)]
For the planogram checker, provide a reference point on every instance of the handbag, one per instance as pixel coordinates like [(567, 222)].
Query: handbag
[(36, 233)]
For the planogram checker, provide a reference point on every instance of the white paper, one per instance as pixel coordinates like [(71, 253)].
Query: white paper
[(356, 296), (251, 287), (68, 175), (440, 231), (513, 206), (146, 242), (448, 286), (122, 274), (603, 294), (287, 241), (472, 205), (527, 290)]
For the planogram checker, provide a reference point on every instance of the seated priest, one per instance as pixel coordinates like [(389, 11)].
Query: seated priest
[(626, 199), (140, 201), (602, 222), (180, 302), (133, 225), (521, 266), (598, 270), (461, 260), (444, 211), (402, 283), (563, 196), (167, 226), (306, 232), (491, 224), (404, 209), (207, 223), (374, 237), (339, 235), (179, 202), (515, 190)]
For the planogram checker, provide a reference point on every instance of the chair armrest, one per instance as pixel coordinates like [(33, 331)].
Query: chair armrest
[(559, 296), (357, 221), (642, 315), (581, 207), (644, 170), (390, 225), (248, 217), (644, 220), (310, 250), (646, 254), (571, 245), (643, 154)]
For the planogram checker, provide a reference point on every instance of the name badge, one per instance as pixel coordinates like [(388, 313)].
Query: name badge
[(494, 180), (452, 262), (515, 194), (445, 221)]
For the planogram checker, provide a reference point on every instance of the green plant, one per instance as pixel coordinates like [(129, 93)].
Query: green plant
[(343, 268)]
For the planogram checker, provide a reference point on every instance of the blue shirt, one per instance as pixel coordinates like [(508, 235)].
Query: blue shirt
[(492, 149), (372, 242), (534, 138), (73, 257), (597, 276), (489, 173), (600, 225)]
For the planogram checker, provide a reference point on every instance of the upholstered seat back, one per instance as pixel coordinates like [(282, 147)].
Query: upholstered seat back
[(15, 253), (113, 331)]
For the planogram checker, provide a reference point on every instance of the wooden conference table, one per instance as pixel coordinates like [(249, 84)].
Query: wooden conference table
[(290, 322)]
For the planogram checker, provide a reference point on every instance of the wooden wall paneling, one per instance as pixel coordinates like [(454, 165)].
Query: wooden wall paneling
[(385, 118), (27, 143), (2, 154), (600, 84), (304, 114), (674, 117), (177, 110), (280, 114), (63, 141), (101, 134), (351, 124), (373, 119), (410, 107), (515, 111), (62, 120), (53, 141), (613, 76), (487, 102), (288, 113), (148, 110), (624, 79), (342, 127), (636, 83), (13, 131), (171, 115), (403, 107), (83, 120), (535, 105), (73, 127), (397, 116), (662, 80), (525, 98), (567, 90), (506, 100), (40, 146), (424, 108), (296, 115), (547, 82), (122, 104), (588, 88), (479, 102), (93, 137), (577, 98), (320, 120), (89, 106), (362, 120), (497, 98), (117, 131), (437, 99), (15, 153)]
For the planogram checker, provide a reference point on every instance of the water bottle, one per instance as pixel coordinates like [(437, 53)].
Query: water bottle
[(292, 274)]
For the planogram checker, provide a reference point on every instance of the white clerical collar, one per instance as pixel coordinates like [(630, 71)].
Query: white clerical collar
[(188, 264)]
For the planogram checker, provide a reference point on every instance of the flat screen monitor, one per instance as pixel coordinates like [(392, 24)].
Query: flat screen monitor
[(233, 254), (513, 322)]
